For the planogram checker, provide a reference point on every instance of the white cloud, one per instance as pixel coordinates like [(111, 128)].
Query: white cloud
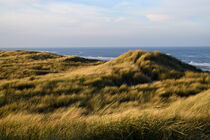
[(17, 2), (158, 18), (71, 8), (44, 16), (37, 22), (183, 9), (120, 19), (123, 4), (62, 23)]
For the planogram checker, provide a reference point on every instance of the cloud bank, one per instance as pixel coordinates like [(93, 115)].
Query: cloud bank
[(51, 23)]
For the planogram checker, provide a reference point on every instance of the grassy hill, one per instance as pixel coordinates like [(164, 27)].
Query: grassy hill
[(139, 95), (20, 64)]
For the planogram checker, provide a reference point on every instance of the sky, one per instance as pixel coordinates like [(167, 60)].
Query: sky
[(104, 23)]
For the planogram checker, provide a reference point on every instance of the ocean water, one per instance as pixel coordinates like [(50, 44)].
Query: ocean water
[(197, 56)]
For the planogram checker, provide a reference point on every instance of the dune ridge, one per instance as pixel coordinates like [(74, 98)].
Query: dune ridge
[(138, 95)]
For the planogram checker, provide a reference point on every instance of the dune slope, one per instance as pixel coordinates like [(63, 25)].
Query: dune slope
[(139, 95)]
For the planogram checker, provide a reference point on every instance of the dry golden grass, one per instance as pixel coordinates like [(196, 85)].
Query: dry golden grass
[(139, 95)]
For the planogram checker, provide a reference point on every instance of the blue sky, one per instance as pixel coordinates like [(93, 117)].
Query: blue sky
[(100, 23)]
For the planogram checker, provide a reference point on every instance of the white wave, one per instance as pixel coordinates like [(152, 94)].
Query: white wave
[(199, 64), (192, 56), (203, 66), (80, 52), (99, 57)]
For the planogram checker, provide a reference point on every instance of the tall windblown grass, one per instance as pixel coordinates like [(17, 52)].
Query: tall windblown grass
[(139, 95)]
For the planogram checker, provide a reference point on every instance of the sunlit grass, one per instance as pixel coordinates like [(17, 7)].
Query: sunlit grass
[(139, 95)]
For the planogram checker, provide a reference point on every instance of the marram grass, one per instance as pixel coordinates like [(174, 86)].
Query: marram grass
[(138, 96)]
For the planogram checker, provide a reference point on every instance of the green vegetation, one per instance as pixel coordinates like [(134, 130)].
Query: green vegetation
[(139, 95)]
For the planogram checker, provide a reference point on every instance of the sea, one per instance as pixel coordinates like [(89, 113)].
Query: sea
[(197, 56)]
